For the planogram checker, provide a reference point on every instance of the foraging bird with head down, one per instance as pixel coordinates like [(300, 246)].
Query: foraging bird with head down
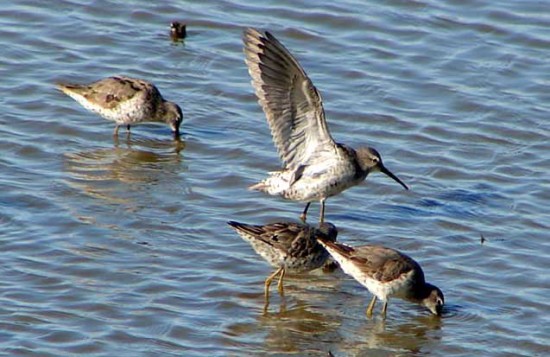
[(126, 101), (386, 273), (287, 246), (315, 166)]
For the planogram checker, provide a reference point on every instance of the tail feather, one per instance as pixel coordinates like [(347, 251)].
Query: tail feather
[(234, 224), (260, 186), (72, 90), (334, 247), (66, 86), (275, 184), (244, 228), (62, 87)]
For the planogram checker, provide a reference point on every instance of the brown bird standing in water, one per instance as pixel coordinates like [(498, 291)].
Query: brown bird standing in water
[(126, 101)]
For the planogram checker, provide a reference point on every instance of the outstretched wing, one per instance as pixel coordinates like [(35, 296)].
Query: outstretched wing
[(291, 102)]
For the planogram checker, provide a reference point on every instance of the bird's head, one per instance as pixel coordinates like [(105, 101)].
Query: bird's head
[(371, 161), (434, 299), (173, 116)]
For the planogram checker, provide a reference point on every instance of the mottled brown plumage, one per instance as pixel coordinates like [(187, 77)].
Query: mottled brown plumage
[(287, 246), (386, 272), (126, 101)]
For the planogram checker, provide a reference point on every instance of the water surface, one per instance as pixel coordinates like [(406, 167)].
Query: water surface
[(120, 246)]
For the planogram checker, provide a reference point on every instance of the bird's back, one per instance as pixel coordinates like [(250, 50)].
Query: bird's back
[(384, 271), (288, 244), (121, 99)]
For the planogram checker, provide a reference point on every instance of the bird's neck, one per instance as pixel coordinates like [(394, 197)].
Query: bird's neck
[(419, 293)]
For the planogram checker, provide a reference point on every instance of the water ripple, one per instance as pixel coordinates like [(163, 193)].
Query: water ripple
[(120, 245)]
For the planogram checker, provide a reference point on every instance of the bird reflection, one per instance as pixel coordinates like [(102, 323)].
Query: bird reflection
[(295, 321), (310, 321), (117, 175), (294, 329), (176, 145), (410, 336)]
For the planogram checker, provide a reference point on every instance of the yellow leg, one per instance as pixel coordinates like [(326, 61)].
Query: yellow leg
[(269, 279), (303, 216), (280, 285), (384, 309), (371, 306), (322, 215)]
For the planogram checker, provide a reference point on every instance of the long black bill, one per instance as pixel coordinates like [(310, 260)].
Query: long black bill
[(390, 174)]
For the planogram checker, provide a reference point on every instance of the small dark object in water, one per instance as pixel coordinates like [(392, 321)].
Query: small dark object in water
[(177, 30), (482, 239)]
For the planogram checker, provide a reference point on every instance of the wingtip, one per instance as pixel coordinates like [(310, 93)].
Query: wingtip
[(233, 224), (238, 226), (339, 248), (246, 231), (324, 240), (64, 87), (252, 31), (260, 186), (250, 34)]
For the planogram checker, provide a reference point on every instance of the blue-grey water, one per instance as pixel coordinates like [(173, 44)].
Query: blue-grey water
[(120, 247)]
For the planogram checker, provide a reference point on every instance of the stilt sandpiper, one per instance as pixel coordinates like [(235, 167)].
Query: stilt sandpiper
[(315, 166), (126, 101), (386, 273), (287, 246)]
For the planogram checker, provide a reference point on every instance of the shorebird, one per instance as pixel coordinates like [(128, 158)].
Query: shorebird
[(287, 246), (315, 166), (386, 273), (126, 101), (177, 31)]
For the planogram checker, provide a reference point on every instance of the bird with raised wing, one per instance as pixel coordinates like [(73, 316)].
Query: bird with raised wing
[(126, 101), (315, 166), (386, 273)]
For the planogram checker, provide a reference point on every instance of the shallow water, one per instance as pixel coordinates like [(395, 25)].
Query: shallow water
[(120, 246)]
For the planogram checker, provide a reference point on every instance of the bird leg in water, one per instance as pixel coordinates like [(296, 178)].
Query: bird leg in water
[(303, 216), (322, 214), (384, 309), (371, 306), (280, 285), (269, 279)]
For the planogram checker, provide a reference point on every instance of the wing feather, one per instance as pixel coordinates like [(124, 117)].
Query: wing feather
[(292, 105), (381, 263)]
